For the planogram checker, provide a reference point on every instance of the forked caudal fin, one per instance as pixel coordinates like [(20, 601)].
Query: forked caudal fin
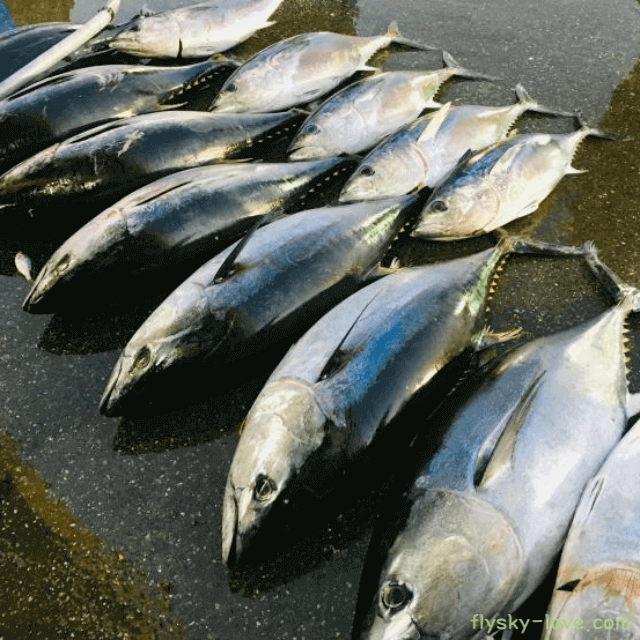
[(523, 245), (393, 32), (449, 62), (533, 105)]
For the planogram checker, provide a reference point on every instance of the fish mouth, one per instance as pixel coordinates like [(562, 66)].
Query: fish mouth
[(428, 231), (359, 196), (231, 541), (240, 526), (33, 302), (225, 108), (307, 153), (111, 401), (40, 289)]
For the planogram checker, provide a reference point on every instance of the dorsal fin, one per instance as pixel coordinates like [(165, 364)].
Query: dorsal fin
[(435, 122), (227, 268), (491, 466), (338, 359)]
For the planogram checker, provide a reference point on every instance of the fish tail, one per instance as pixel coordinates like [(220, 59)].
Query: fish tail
[(393, 33), (618, 291), (585, 130), (451, 63), (530, 104), (522, 244)]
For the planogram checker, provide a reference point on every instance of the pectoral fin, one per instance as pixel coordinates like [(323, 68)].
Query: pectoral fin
[(500, 459)]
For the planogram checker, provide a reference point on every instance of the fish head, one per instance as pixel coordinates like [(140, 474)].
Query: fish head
[(179, 333), (155, 36), (459, 210), (315, 141), (389, 171), (238, 93), (85, 254), (454, 557), (282, 432)]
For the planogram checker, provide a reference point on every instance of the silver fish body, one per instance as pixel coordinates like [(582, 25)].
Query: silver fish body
[(498, 185), (299, 70), (65, 104), (425, 152), (116, 158), (315, 257), (194, 31), (193, 212), (598, 579), (360, 115), (339, 387), (486, 517)]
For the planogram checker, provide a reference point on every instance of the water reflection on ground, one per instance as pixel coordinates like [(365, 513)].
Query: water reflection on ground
[(125, 513)]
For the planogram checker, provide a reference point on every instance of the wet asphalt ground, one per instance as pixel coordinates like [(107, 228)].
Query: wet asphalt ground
[(110, 528)]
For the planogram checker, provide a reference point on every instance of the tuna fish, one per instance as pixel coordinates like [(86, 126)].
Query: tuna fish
[(194, 212), (486, 517), (599, 575), (425, 152), (301, 69), (58, 107), (502, 183), (194, 31), (340, 386), (20, 46), (114, 159), (273, 282), (359, 116)]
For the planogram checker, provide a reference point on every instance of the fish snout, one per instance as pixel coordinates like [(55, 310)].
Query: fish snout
[(238, 524), (432, 229), (124, 378), (38, 299), (33, 302), (109, 400), (402, 627), (304, 152)]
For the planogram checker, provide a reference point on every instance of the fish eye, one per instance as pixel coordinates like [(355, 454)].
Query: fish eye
[(395, 596), (367, 171), (63, 265), (231, 87), (312, 128), (263, 489), (439, 205), (142, 358)]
